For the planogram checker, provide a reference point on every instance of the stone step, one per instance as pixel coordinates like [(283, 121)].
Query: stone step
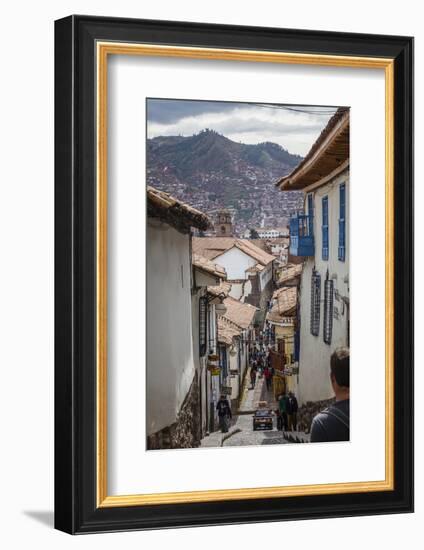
[(296, 437)]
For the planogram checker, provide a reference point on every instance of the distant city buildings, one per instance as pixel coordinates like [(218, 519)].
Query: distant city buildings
[(242, 186), (267, 232)]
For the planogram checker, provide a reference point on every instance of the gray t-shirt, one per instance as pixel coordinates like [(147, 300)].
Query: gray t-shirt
[(332, 424)]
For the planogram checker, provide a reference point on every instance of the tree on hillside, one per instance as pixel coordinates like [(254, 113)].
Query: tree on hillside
[(253, 233)]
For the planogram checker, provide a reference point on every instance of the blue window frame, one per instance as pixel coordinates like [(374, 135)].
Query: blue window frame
[(296, 345), (342, 222), (301, 242), (311, 214), (325, 243)]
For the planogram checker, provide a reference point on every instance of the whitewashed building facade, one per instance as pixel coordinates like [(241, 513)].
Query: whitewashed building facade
[(250, 269), (172, 386), (320, 234)]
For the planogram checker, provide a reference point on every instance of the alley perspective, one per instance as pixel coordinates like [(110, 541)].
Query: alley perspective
[(247, 290)]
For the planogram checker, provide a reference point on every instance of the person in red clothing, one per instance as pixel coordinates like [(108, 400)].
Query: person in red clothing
[(268, 378)]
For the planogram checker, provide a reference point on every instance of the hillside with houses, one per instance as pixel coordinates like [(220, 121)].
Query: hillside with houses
[(250, 326), (209, 171)]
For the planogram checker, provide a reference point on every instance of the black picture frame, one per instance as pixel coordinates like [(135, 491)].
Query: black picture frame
[(76, 510)]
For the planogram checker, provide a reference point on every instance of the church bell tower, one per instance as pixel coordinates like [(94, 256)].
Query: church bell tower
[(223, 224)]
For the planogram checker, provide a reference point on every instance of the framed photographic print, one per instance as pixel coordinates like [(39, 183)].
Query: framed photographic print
[(233, 213)]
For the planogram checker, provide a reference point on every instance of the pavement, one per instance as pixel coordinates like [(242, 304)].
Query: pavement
[(241, 431)]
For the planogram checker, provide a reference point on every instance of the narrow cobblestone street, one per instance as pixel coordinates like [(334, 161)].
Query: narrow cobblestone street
[(241, 431)]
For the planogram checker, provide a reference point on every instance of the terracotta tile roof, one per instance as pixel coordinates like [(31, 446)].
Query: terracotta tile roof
[(210, 267), (278, 240), (329, 153), (255, 268), (289, 272), (220, 290), (284, 304), (211, 247), (227, 331), (260, 243), (252, 250), (175, 212), (239, 313)]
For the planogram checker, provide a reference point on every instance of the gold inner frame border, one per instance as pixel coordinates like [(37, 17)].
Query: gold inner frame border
[(103, 50)]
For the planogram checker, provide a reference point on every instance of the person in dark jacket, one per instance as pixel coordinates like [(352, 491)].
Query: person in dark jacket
[(224, 413), (282, 406), (333, 423), (253, 375), (292, 407)]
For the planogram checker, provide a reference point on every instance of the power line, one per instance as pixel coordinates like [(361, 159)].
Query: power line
[(323, 111)]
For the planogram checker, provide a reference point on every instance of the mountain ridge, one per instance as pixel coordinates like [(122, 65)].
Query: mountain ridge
[(210, 171)]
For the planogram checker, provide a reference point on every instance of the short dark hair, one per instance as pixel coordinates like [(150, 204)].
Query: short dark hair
[(339, 364)]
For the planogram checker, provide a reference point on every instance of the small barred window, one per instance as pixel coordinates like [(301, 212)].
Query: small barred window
[(328, 310), (315, 302), (325, 230), (203, 325)]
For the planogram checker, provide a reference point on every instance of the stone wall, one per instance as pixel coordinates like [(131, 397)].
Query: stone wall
[(308, 411), (185, 431)]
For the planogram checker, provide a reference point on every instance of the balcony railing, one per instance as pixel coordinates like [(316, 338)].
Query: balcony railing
[(301, 241)]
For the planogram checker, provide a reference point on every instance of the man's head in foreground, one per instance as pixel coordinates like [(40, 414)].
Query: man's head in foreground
[(339, 365)]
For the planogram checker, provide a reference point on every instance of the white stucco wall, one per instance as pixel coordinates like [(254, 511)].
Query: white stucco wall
[(266, 276), (234, 380), (170, 369), (201, 362), (235, 262), (314, 364), (236, 291)]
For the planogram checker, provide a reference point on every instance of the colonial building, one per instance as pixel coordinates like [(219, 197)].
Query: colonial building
[(319, 235), (223, 224), (267, 232), (235, 334), (172, 384), (282, 320), (209, 290), (249, 268)]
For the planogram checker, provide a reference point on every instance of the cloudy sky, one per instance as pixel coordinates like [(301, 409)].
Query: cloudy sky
[(294, 127)]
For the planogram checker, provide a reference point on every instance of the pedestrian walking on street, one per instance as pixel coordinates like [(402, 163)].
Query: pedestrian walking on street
[(260, 364), (292, 407), (269, 358), (253, 375), (268, 378), (333, 423), (224, 413), (282, 405)]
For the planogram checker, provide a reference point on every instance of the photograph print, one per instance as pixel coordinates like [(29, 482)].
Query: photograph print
[(247, 262)]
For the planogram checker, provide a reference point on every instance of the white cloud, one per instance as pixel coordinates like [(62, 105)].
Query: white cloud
[(295, 131)]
